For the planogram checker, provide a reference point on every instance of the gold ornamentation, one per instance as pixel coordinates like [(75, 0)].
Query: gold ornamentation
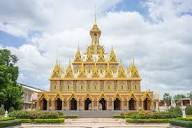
[(82, 73), (101, 55), (133, 71), (112, 57), (108, 72), (57, 71), (78, 56), (121, 72), (69, 72), (95, 71)]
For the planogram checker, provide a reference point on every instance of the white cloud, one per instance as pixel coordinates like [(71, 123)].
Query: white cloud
[(160, 45)]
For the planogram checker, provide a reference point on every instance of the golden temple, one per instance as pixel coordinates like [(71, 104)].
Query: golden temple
[(95, 80)]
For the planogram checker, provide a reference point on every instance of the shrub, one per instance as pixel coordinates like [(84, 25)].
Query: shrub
[(9, 123), (183, 123), (176, 110), (6, 118), (153, 115), (35, 114), (11, 109), (25, 120), (189, 110), (147, 120), (2, 110), (59, 120)]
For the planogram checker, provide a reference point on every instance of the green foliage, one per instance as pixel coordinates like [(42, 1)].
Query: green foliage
[(36, 114), (151, 115), (189, 95), (6, 118), (25, 120), (179, 96), (59, 120), (9, 123), (129, 120), (10, 91), (119, 116), (167, 98), (189, 110), (2, 110), (183, 123), (176, 110)]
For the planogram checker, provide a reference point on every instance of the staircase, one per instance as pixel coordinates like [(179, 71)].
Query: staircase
[(93, 114)]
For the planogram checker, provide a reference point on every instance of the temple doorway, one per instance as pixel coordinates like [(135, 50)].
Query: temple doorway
[(117, 104), (73, 104), (44, 104), (132, 104), (87, 104), (102, 104), (146, 104), (58, 104)]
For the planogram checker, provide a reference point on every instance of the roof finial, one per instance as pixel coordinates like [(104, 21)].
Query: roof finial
[(95, 16), (133, 61)]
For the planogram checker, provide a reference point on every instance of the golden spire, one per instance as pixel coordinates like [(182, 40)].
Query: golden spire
[(78, 56), (133, 71), (95, 32), (57, 70), (95, 18), (108, 72), (69, 71), (121, 72), (112, 57), (95, 71), (82, 73)]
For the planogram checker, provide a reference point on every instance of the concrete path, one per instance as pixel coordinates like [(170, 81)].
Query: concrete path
[(95, 123)]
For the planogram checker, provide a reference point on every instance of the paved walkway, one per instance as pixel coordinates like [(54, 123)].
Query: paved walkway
[(95, 123)]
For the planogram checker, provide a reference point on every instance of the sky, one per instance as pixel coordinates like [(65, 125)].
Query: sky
[(156, 33)]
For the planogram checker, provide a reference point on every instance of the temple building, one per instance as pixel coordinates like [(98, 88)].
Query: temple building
[(95, 80)]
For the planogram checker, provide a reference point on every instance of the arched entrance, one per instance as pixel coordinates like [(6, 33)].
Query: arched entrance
[(73, 104), (44, 104), (132, 104), (102, 104), (87, 104), (146, 104), (117, 104), (58, 104)]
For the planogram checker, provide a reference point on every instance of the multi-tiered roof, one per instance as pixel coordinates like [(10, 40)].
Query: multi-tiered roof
[(88, 65)]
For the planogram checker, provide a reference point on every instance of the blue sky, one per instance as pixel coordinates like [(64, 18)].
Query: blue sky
[(40, 31)]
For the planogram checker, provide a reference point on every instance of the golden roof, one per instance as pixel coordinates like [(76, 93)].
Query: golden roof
[(121, 72), (57, 71), (133, 71), (69, 72), (112, 57), (78, 56)]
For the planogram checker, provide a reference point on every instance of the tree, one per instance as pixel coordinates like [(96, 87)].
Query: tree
[(167, 98), (179, 96), (189, 95), (10, 91)]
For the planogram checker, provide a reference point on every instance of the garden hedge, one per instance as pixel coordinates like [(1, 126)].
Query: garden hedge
[(36, 114), (183, 123), (9, 123), (129, 120)]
